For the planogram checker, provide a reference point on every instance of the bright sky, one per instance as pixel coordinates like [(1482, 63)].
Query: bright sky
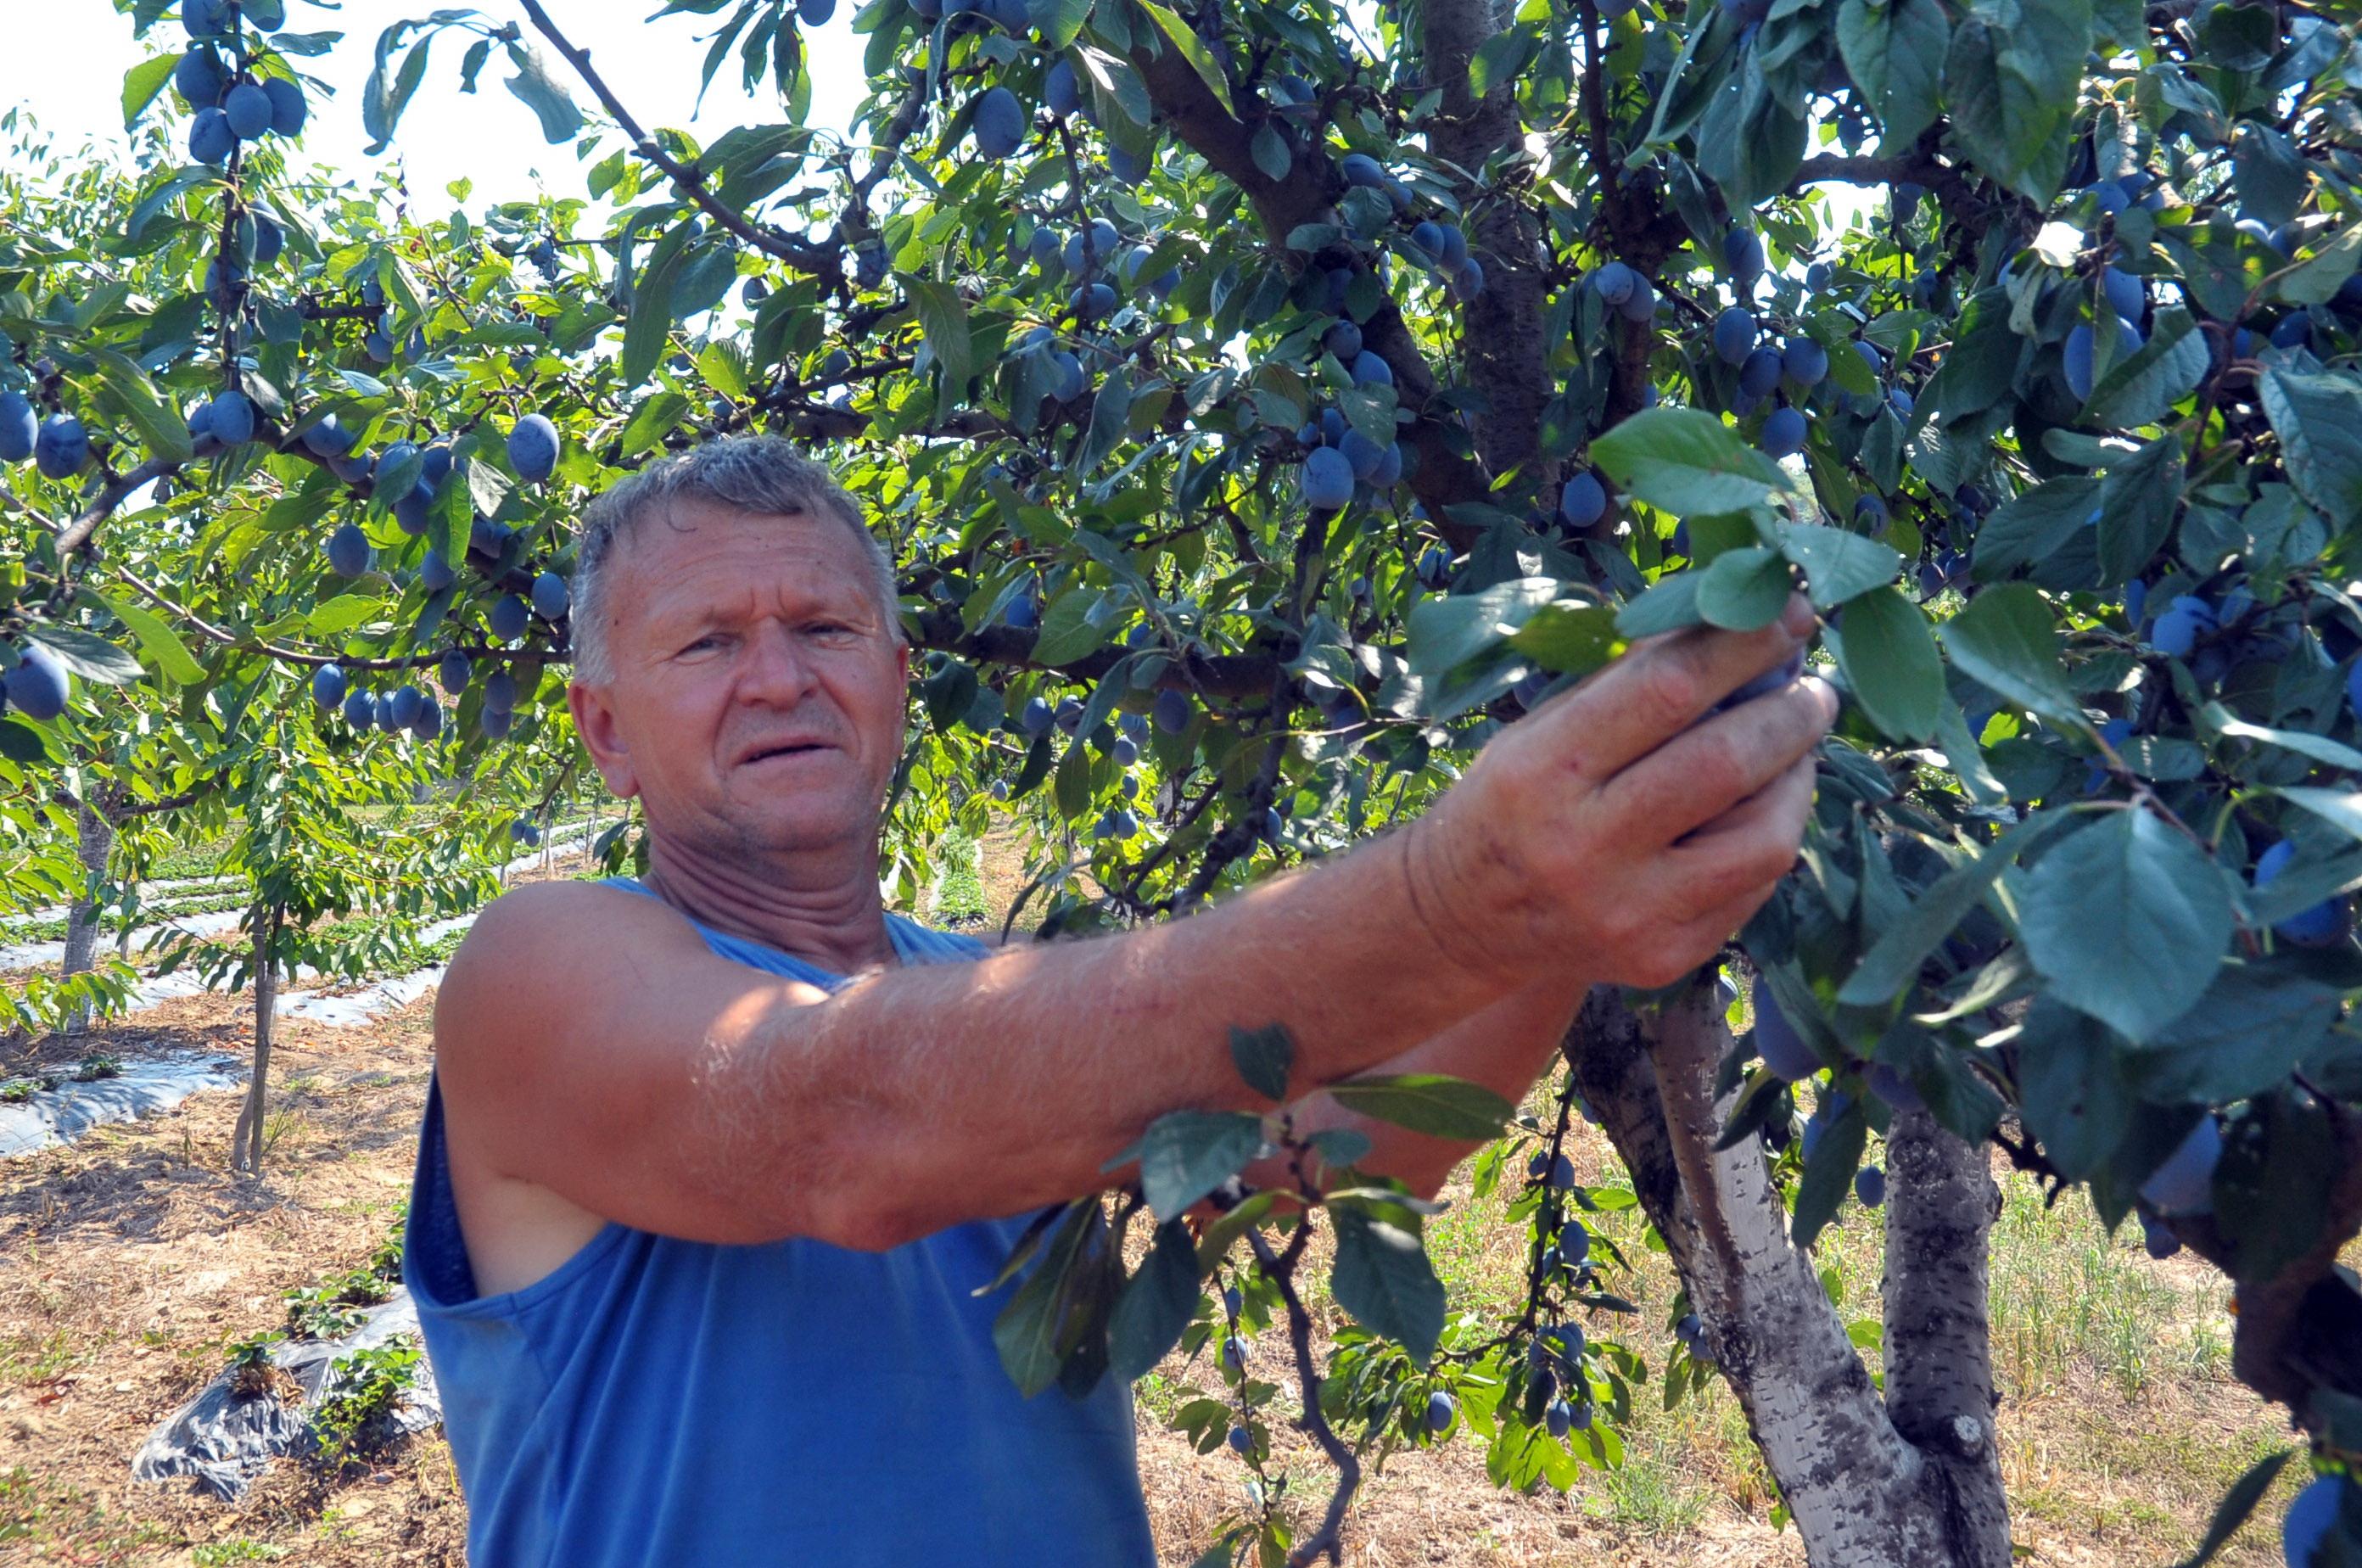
[(65, 59)]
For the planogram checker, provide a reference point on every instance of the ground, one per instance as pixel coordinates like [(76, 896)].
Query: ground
[(129, 1262)]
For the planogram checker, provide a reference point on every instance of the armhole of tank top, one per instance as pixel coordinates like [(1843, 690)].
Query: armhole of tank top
[(510, 1303)]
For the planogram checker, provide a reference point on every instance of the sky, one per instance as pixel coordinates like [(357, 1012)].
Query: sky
[(64, 59)]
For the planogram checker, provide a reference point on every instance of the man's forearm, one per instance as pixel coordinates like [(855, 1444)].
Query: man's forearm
[(1021, 1075)]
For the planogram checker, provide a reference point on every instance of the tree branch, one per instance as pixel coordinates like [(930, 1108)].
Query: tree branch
[(1501, 327), (820, 260), (1939, 1386), (1183, 101)]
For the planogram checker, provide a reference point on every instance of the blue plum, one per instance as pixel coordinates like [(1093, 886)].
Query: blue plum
[(36, 685)]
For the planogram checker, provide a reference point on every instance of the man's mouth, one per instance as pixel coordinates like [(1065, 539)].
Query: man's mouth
[(785, 748)]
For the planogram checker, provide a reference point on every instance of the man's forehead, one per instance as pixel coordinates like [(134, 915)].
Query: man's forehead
[(724, 558)]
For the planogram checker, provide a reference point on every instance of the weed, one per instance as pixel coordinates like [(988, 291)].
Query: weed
[(99, 1066)]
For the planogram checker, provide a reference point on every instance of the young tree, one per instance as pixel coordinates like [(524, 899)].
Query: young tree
[(1265, 408)]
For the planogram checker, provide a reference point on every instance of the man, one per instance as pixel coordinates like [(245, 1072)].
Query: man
[(697, 1220)]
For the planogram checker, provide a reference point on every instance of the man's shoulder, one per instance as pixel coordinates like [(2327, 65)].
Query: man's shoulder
[(545, 930)]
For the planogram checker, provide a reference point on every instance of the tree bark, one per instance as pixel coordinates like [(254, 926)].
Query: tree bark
[(246, 1140), (94, 832), (1939, 1387), (1505, 350), (1863, 1494)]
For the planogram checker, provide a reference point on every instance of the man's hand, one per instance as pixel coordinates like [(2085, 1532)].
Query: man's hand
[(1621, 829)]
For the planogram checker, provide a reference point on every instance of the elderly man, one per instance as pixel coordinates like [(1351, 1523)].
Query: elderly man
[(713, 1164)]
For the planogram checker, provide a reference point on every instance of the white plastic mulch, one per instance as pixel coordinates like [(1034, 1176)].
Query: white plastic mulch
[(155, 1084)]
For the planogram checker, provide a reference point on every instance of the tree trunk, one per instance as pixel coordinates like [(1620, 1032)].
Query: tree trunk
[(96, 835), (1870, 1482), (246, 1139)]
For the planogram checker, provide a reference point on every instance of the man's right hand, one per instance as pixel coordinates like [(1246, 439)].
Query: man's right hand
[(1621, 827)]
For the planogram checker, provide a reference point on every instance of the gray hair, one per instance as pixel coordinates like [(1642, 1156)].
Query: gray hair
[(764, 475)]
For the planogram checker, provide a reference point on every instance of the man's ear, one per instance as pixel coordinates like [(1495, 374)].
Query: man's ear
[(594, 721)]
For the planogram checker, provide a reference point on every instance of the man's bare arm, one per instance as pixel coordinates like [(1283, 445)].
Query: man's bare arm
[(590, 1044)]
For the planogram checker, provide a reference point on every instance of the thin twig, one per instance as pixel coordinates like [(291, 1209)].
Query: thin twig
[(820, 260)]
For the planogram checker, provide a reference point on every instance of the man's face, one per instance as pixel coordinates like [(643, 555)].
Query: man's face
[(757, 695)]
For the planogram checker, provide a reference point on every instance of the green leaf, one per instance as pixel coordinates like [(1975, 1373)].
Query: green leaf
[(649, 327), (1030, 1331), (1059, 21), (165, 650), (91, 657), (2317, 279), (2138, 503), (543, 93), (1262, 1057), (1193, 49), (1447, 630), (2339, 808), (1893, 960), (457, 517), (1569, 637), (1895, 54), (1269, 150), (1890, 661), (1157, 1304), (1110, 419), (1067, 632), (2006, 640), (1431, 1103), (2162, 372), (2010, 80), (1745, 588), (2128, 921), (21, 742), (1669, 604), (1828, 1173), (2320, 748), (1185, 1155), (2247, 1034), (943, 318), (129, 393), (1382, 1276), (2319, 422), (2073, 1091), (142, 83), (1837, 566), (2280, 1163), (2033, 526), (1687, 461), (2236, 1505)]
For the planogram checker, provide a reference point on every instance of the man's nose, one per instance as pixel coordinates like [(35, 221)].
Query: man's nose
[(775, 668)]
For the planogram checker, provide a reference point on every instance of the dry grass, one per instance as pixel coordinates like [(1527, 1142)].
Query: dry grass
[(129, 1262)]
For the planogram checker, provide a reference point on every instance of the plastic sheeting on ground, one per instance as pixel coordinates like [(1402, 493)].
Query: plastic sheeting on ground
[(223, 1440), (144, 1088)]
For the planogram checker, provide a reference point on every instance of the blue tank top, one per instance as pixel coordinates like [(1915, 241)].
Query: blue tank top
[(658, 1402)]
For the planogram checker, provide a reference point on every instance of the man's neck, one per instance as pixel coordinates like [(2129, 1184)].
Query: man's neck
[(828, 913)]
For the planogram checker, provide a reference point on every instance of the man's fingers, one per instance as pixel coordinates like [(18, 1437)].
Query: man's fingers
[(1664, 684), (1698, 776), (1782, 803), (1752, 845)]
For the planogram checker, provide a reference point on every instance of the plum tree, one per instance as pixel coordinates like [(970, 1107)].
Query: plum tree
[(1269, 390)]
